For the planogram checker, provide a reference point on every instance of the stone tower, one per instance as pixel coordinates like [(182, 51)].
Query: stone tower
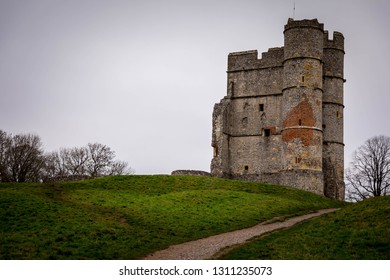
[(282, 118)]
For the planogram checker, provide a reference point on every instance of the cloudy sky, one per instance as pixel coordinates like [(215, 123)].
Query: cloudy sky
[(143, 76)]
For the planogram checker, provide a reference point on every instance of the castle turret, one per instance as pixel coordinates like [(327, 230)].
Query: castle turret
[(302, 134), (333, 106)]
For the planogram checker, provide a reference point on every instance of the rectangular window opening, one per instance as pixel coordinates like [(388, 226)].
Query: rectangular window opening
[(246, 167), (261, 107), (232, 88), (267, 132), (297, 160)]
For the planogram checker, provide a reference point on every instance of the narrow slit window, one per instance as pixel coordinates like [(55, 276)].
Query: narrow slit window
[(232, 88), (297, 160), (300, 122), (303, 79)]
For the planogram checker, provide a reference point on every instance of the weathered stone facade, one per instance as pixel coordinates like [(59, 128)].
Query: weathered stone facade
[(282, 118)]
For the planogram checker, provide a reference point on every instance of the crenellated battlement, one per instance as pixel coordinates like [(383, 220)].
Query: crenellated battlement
[(305, 23), (249, 60), (336, 43)]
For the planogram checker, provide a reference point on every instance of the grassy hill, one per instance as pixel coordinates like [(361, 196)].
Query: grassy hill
[(127, 217), (358, 231)]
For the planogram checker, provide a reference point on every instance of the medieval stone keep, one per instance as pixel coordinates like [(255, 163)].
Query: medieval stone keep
[(281, 121)]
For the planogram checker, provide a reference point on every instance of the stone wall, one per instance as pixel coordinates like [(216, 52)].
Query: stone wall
[(191, 173)]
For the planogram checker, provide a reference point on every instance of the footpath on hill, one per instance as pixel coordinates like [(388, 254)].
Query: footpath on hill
[(209, 247)]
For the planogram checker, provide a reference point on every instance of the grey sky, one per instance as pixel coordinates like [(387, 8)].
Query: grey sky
[(142, 76)]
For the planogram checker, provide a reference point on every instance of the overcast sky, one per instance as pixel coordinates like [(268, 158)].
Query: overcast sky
[(143, 76)]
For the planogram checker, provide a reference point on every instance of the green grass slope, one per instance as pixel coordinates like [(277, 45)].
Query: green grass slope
[(358, 231), (127, 217)]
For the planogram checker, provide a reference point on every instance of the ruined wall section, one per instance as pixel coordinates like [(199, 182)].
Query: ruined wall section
[(333, 116), (220, 164)]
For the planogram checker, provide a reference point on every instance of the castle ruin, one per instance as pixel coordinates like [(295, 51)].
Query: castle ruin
[(281, 121)]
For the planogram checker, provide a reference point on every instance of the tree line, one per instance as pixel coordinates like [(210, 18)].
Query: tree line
[(23, 159)]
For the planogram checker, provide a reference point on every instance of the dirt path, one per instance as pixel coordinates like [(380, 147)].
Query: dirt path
[(207, 247)]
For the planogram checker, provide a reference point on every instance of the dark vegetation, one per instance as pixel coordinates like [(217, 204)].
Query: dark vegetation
[(358, 231), (128, 217)]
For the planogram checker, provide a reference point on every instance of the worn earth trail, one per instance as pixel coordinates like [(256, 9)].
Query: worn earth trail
[(208, 247)]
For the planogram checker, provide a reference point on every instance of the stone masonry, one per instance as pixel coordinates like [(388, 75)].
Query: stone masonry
[(281, 121)]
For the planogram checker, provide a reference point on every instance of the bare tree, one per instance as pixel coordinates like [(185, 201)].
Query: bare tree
[(25, 158), (52, 163), (100, 160), (93, 160), (54, 166), (22, 160), (369, 172), (75, 160), (119, 167), (5, 144)]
